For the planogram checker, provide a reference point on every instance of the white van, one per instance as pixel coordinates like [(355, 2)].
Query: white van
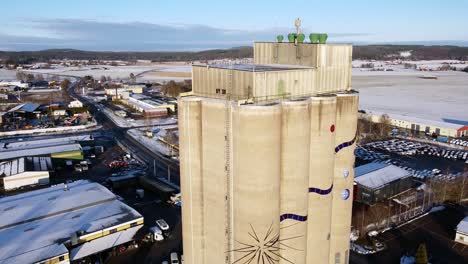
[(174, 258), (156, 233)]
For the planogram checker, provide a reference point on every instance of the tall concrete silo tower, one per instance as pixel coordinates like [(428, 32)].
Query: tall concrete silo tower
[(266, 156)]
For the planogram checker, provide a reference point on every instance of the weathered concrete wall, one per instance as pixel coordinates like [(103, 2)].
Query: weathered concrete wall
[(321, 162), (345, 135), (332, 62), (262, 177)]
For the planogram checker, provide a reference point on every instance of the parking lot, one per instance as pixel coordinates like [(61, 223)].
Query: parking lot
[(421, 159), (436, 230)]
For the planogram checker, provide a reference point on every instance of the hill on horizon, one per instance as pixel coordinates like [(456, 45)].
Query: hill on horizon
[(368, 52)]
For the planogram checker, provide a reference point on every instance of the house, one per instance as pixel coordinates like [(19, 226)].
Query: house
[(59, 112), (461, 233), (75, 104), (24, 171)]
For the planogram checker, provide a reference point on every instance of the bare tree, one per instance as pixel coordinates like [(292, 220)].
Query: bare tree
[(65, 83), (30, 78), (132, 78), (39, 77), (384, 125)]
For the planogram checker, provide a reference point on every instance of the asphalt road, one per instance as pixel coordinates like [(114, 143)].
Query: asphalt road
[(150, 207), (165, 166)]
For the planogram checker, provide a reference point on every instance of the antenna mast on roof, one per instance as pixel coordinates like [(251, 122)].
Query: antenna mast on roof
[(298, 24)]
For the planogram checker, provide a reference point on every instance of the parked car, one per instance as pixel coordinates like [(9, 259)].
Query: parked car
[(162, 224), (174, 258), (156, 233)]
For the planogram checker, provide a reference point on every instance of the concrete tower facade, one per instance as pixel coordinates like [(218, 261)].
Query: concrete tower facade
[(266, 156)]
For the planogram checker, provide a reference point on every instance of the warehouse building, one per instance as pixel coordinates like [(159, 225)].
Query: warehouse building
[(266, 157), (376, 182), (147, 107), (136, 89), (64, 223), (65, 151), (57, 148), (422, 125), (25, 171)]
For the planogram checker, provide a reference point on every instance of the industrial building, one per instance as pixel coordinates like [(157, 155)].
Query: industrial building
[(64, 223), (461, 234), (376, 182), (415, 124), (266, 157), (25, 171), (148, 107), (56, 148), (136, 89)]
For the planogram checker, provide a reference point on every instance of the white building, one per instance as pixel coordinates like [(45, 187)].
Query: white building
[(14, 83), (59, 112), (421, 125), (24, 172), (136, 89), (461, 234), (75, 104), (64, 223)]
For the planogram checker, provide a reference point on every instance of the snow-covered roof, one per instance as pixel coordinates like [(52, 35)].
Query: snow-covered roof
[(17, 166), (26, 107), (462, 227), (37, 223), (17, 145), (13, 153), (423, 121), (375, 175)]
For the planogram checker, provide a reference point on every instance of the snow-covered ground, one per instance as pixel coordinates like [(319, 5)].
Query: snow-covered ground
[(405, 93), (116, 72), (398, 65), (128, 122), (153, 143), (398, 91), (7, 74)]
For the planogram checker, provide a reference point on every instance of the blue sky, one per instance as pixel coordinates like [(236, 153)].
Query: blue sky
[(194, 25)]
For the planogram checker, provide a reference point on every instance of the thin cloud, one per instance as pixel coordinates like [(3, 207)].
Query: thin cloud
[(137, 36)]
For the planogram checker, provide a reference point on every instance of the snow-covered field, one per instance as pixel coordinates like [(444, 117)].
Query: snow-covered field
[(7, 74), (399, 65), (408, 94), (398, 91), (119, 72)]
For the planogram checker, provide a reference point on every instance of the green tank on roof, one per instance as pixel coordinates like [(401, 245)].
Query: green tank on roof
[(314, 37), (291, 37), (280, 38), (323, 38), (300, 38)]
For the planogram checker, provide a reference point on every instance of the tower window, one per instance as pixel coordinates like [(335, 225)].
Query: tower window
[(337, 258)]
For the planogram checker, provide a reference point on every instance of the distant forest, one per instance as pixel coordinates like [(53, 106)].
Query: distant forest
[(368, 52)]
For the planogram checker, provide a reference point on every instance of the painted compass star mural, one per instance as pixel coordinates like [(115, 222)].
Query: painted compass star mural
[(264, 249)]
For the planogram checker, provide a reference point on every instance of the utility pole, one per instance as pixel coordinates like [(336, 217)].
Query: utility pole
[(462, 187), (168, 173)]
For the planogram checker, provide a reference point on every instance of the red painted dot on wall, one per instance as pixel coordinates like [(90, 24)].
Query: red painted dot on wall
[(332, 128)]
